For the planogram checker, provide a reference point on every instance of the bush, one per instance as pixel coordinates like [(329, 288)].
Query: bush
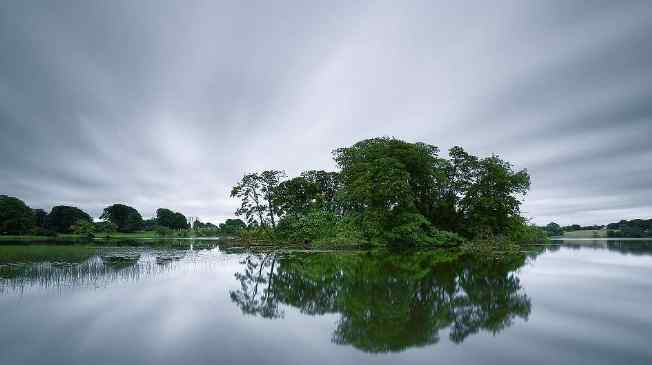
[(40, 231), (257, 234), (163, 231), (84, 228), (105, 227), (523, 232)]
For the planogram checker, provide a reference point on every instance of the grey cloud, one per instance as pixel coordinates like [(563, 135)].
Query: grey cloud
[(168, 103)]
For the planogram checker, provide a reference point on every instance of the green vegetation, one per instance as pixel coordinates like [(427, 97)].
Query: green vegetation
[(389, 192), (15, 216), (386, 192), (125, 218), (586, 233), (636, 228), (172, 220)]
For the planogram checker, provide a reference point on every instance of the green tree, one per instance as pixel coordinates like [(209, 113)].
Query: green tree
[(257, 193), (270, 179), (40, 218), (385, 181), (491, 204), (62, 218), (232, 226), (15, 216), (105, 227), (312, 190), (553, 229), (84, 228), (126, 218), (173, 220)]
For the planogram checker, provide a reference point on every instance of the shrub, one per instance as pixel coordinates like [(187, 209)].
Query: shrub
[(163, 231)]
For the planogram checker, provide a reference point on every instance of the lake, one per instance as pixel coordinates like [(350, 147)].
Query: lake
[(571, 302)]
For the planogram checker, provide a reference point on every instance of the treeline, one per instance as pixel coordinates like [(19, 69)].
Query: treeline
[(389, 191), (635, 228), (17, 218), (554, 229)]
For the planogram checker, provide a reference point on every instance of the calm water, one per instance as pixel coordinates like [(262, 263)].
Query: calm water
[(579, 302)]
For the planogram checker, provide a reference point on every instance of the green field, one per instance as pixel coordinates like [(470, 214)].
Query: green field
[(586, 233)]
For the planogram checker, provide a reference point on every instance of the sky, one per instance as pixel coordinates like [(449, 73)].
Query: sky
[(168, 103)]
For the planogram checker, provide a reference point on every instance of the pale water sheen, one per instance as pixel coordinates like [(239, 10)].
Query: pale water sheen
[(579, 302)]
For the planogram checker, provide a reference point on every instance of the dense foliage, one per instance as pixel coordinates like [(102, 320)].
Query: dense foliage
[(633, 228), (15, 216), (62, 218), (173, 220), (390, 191), (126, 218)]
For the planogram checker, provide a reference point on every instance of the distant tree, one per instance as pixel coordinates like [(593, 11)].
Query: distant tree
[(149, 224), (63, 217), (15, 216), (40, 217), (84, 228), (105, 227), (553, 229), (232, 226), (173, 220), (126, 218)]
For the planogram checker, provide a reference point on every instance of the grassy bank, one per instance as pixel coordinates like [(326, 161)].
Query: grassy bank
[(99, 236), (590, 233)]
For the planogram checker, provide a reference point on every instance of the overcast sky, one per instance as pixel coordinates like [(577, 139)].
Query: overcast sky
[(168, 103)]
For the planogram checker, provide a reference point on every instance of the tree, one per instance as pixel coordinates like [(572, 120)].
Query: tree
[(105, 227), (232, 226), (15, 216), (84, 228), (257, 192), (62, 218), (553, 229), (312, 190), (126, 218), (270, 179), (491, 204), (173, 220), (40, 218), (401, 189), (384, 179)]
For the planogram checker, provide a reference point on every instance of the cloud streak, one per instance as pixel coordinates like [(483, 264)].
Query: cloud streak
[(165, 103)]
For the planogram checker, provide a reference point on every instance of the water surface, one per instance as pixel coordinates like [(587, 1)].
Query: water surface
[(577, 301)]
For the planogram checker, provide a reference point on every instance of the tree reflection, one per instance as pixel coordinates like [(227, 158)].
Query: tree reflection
[(387, 301)]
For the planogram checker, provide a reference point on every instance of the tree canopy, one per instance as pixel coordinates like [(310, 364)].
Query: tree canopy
[(62, 218), (15, 216), (257, 193), (173, 220), (392, 191), (126, 218)]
